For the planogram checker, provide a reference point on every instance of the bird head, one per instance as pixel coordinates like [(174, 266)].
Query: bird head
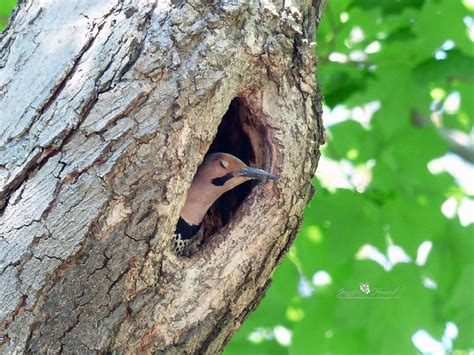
[(225, 171), (218, 173)]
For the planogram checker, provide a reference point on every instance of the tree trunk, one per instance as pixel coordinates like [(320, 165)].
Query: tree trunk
[(107, 109)]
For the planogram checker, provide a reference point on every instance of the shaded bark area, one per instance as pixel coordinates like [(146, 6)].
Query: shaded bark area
[(107, 108)]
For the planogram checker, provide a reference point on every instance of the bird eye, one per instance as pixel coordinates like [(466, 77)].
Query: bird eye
[(224, 164)]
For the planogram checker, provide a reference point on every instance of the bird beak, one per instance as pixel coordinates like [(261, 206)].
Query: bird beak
[(255, 173)]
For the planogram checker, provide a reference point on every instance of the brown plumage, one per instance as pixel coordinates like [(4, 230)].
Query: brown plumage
[(218, 173)]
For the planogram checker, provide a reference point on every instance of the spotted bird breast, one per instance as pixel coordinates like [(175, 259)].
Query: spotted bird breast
[(183, 235)]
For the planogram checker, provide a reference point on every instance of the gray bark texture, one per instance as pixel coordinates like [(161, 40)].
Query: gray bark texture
[(107, 109)]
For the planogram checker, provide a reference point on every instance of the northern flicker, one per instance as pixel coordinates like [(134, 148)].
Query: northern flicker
[(218, 173)]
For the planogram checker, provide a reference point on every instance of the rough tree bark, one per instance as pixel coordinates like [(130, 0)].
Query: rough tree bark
[(107, 108)]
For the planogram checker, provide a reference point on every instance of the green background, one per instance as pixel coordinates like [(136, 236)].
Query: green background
[(6, 7), (410, 77)]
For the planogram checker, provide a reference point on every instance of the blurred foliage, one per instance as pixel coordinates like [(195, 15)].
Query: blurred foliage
[(407, 55), (6, 7), (395, 53)]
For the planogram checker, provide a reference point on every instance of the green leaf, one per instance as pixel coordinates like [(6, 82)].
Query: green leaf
[(388, 7), (349, 134), (343, 82), (6, 7), (459, 308), (456, 66)]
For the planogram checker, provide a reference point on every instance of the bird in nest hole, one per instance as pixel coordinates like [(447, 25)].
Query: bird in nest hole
[(218, 173)]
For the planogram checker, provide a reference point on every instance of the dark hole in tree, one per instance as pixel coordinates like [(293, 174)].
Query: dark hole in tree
[(239, 134)]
